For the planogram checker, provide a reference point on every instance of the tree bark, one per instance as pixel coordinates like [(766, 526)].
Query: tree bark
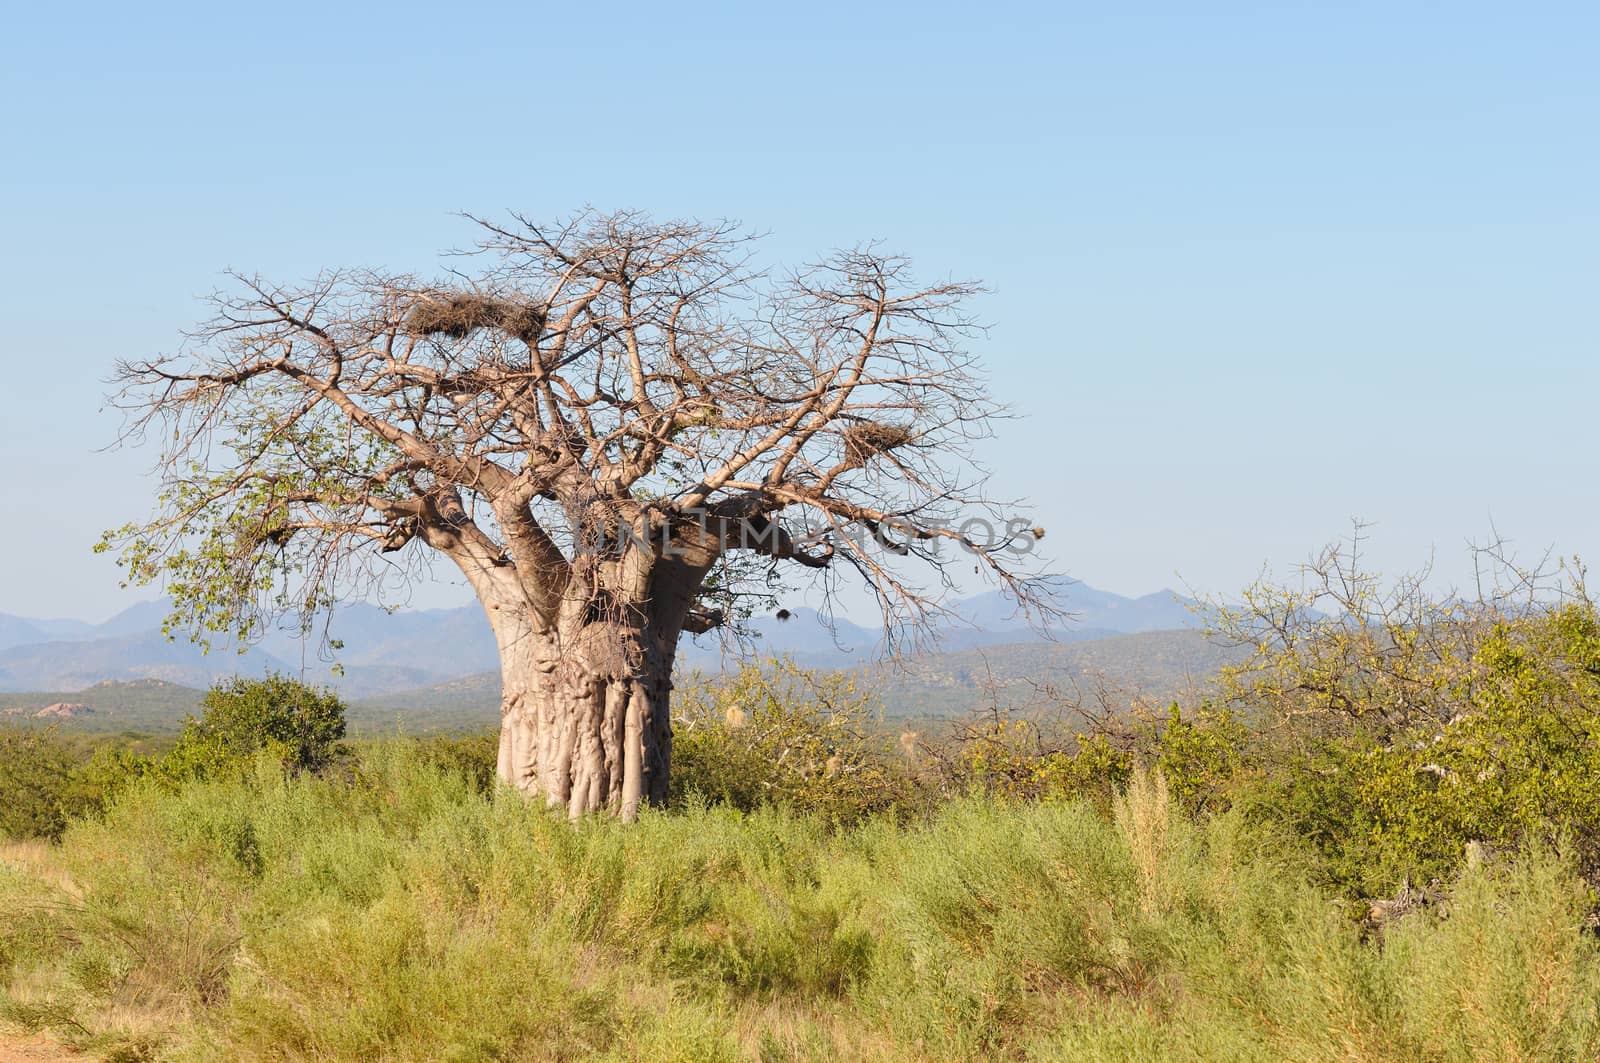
[(586, 668), (586, 714)]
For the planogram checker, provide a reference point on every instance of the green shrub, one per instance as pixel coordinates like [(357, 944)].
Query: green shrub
[(1517, 763), (35, 783), (1204, 756), (278, 717), (1400, 732), (1056, 752), (780, 735), (474, 756), (48, 779), (1032, 758)]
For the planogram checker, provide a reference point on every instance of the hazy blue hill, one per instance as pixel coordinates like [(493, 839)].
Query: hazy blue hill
[(73, 666), (466, 703), (440, 642), (804, 636), (1164, 610), (15, 631), (371, 680), (1151, 666), (1087, 610), (137, 619), (387, 655), (140, 618), (988, 619), (952, 638), (64, 629)]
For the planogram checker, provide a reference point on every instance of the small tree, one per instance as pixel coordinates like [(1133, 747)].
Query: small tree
[(601, 430), (1400, 726), (35, 777), (48, 779), (243, 717)]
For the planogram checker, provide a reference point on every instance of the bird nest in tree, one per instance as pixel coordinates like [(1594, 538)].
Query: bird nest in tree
[(458, 315), (869, 439)]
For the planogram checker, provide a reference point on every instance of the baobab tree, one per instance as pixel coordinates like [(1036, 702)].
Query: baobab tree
[(615, 428)]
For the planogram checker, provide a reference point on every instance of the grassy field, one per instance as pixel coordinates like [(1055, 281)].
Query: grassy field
[(399, 912)]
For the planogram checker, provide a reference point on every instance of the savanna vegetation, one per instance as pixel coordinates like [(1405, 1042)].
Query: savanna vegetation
[(1374, 840)]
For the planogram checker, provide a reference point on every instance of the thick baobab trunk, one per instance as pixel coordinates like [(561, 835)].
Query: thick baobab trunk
[(586, 675), (585, 715)]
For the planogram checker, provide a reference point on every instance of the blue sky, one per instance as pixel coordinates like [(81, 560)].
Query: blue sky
[(1256, 268)]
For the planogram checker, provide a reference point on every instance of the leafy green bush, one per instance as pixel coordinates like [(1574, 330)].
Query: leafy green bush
[(473, 756), (47, 779), (1518, 763), (779, 734), (1204, 756), (278, 717), (1031, 758), (35, 783), (1057, 752), (1398, 736), (1401, 733)]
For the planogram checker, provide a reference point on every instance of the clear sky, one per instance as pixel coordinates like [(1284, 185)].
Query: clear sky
[(1257, 268)]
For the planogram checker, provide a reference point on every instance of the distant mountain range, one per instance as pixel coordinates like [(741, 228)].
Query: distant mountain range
[(1152, 667), (990, 619), (383, 651), (394, 658)]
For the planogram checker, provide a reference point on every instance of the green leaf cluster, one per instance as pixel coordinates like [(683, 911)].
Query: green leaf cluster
[(277, 717)]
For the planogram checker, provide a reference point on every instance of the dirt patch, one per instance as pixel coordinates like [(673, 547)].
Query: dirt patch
[(34, 1050)]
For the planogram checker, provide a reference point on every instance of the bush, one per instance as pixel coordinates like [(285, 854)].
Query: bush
[(47, 780), (1518, 763), (1058, 751), (35, 783), (278, 717), (473, 756), (1031, 758), (781, 735), (1397, 734), (1204, 757), (1401, 733)]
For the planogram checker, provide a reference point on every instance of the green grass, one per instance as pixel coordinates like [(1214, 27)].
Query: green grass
[(403, 915)]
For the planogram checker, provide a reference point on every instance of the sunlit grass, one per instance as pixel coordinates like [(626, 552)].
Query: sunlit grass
[(406, 916)]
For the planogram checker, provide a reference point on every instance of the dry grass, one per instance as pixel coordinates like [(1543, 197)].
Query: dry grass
[(410, 917), (1144, 815), (37, 859)]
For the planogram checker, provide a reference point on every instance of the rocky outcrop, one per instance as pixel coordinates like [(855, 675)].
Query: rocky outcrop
[(63, 710)]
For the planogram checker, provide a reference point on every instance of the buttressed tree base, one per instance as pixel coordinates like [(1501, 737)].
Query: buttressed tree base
[(618, 430)]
